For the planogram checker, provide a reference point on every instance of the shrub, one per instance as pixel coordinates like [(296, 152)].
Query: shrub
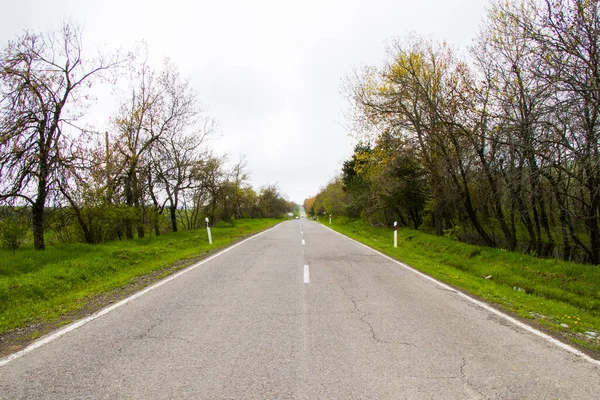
[(12, 233)]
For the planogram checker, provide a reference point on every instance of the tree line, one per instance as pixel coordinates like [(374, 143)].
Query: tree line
[(153, 164), (498, 146)]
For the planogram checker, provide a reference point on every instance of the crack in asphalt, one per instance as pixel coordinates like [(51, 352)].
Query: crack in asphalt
[(250, 266), (169, 337), (373, 330), (466, 379), (145, 334), (363, 319)]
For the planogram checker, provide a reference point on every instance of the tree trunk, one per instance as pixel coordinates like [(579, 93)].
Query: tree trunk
[(140, 231), (415, 218), (545, 222), (475, 221), (565, 233), (128, 229), (401, 217), (129, 201), (87, 233), (538, 230), (594, 229), (173, 212), (155, 209), (438, 221), (141, 220), (511, 240), (468, 203), (562, 217), (37, 212), (38, 207), (526, 219), (156, 227)]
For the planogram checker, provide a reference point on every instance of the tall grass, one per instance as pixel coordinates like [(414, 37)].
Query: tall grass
[(39, 286)]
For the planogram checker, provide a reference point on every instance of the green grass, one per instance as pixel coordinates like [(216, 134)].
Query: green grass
[(40, 286), (549, 291)]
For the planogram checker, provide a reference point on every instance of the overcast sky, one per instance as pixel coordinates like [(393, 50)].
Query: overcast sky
[(270, 72)]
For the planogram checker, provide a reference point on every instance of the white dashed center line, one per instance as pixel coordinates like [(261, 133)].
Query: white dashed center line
[(306, 274)]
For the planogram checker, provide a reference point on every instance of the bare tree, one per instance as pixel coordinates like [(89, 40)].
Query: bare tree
[(419, 95), (510, 141), (239, 187), (182, 128), (511, 110), (43, 78), (565, 37), (208, 174), (136, 134)]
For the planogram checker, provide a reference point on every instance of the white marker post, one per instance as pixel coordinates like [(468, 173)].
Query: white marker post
[(395, 234), (208, 230), (329, 219)]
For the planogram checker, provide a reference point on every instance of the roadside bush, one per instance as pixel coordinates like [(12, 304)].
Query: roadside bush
[(12, 233)]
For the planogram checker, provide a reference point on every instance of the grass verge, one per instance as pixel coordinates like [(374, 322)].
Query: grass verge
[(42, 290), (547, 292)]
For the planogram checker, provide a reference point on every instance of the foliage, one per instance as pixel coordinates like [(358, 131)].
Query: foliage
[(271, 203), (500, 151), (151, 169), (42, 77), (308, 205), (385, 184), (12, 232), (331, 200)]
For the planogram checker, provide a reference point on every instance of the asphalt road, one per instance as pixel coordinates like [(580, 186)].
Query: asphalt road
[(255, 323)]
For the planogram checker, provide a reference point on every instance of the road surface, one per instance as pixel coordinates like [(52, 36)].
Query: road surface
[(299, 312)]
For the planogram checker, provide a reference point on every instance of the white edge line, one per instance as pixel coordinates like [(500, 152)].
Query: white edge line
[(481, 304), (78, 324)]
